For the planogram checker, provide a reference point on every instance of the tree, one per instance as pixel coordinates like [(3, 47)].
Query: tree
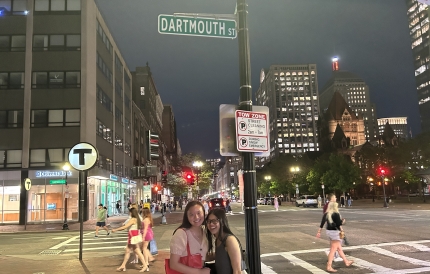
[(176, 184)]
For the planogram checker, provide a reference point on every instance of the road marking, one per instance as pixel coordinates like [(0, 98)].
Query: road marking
[(296, 261), (266, 270), (64, 243), (397, 256), (94, 248), (368, 265), (100, 243), (420, 247)]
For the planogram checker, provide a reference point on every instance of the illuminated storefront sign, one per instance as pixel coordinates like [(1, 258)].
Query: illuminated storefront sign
[(113, 177), (53, 173), (124, 180)]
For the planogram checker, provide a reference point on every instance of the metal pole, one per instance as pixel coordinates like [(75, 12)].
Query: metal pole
[(249, 177), (82, 181), (26, 209), (383, 187), (65, 225)]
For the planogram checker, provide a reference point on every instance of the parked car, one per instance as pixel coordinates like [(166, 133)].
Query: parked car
[(216, 203), (306, 201), (261, 201)]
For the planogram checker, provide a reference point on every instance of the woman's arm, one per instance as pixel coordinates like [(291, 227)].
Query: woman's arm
[(233, 249), (127, 225), (323, 221), (145, 223)]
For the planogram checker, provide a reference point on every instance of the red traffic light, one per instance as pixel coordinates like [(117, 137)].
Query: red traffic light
[(382, 171), (189, 178)]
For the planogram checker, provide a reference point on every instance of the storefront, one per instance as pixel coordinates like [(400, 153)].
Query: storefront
[(10, 190), (49, 193)]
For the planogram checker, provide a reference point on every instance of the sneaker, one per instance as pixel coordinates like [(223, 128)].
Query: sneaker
[(108, 233), (96, 236), (338, 259), (327, 252)]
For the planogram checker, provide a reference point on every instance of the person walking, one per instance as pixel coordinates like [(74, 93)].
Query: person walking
[(224, 246), (349, 200), (101, 220), (333, 229), (147, 234), (134, 240), (206, 206), (190, 238), (342, 200), (319, 199), (117, 208), (276, 203)]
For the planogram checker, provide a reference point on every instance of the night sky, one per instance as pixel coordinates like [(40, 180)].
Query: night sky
[(197, 74)]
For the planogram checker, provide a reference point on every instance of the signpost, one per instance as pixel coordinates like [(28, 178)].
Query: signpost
[(196, 26), (27, 184), (251, 131), (82, 157)]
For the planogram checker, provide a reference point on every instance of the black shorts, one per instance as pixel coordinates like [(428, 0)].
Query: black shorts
[(101, 224)]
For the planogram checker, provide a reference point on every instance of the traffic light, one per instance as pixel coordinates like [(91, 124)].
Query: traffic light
[(189, 178), (153, 142), (382, 171)]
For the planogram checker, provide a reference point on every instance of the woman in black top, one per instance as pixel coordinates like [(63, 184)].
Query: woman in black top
[(334, 226), (227, 253)]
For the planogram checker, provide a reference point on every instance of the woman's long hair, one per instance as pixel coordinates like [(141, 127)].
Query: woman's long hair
[(146, 213), (185, 222), (224, 229), (332, 208), (135, 214)]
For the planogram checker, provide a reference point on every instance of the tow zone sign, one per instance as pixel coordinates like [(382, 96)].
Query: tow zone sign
[(251, 131)]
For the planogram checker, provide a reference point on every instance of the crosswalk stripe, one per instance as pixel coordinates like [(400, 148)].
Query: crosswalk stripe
[(64, 243), (368, 265), (420, 247), (94, 248), (266, 270), (397, 256), (101, 243), (296, 261)]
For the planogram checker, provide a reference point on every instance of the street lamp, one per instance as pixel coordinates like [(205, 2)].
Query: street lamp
[(294, 170), (198, 165), (66, 168), (267, 178), (383, 172)]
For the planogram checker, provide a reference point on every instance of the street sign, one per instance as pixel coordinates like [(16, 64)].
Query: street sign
[(57, 182), (27, 184), (197, 26), (83, 156), (251, 131)]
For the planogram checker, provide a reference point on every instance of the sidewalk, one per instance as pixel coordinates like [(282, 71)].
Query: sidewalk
[(54, 264)]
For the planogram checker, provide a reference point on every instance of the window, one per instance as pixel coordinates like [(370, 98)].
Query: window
[(104, 99), (127, 125), (13, 158), (127, 79), (127, 149), (15, 7), (118, 142), (104, 68), (44, 42), (18, 43), (4, 43), (127, 101), (11, 118), (118, 63), (104, 37), (56, 79), (37, 157), (56, 5), (55, 118), (118, 89), (48, 157), (118, 115), (11, 80), (103, 131)]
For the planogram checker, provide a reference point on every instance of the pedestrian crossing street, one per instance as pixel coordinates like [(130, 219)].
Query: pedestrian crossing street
[(392, 258)]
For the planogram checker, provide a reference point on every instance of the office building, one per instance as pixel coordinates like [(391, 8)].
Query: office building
[(356, 94), (398, 124), (63, 81), (418, 15), (291, 94)]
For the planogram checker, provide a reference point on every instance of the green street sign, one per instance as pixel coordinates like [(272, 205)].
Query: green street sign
[(57, 182), (196, 26)]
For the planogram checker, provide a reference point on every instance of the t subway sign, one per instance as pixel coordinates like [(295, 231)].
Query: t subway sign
[(196, 26)]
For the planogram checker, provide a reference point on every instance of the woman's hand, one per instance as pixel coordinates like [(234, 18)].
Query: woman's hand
[(319, 234)]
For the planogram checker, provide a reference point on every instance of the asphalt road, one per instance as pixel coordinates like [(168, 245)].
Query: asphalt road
[(381, 240)]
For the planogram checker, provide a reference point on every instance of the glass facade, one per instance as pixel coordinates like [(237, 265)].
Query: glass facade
[(9, 198)]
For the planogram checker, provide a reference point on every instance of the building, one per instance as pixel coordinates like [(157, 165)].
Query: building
[(64, 81), (418, 15), (356, 94), (340, 128), (169, 134), (291, 94), (398, 124)]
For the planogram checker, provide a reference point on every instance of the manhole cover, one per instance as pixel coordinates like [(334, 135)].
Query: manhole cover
[(50, 252)]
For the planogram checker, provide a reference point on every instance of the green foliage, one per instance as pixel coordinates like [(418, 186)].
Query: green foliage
[(176, 184)]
